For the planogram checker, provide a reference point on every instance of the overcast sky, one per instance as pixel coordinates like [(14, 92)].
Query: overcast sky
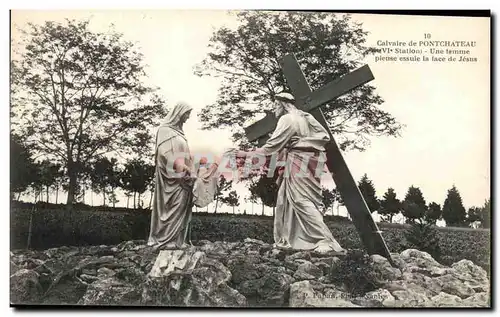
[(444, 106)]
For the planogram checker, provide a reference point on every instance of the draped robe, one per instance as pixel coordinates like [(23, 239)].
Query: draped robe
[(171, 214), (298, 222)]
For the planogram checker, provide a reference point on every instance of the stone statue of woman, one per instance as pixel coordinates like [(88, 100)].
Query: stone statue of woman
[(172, 203)]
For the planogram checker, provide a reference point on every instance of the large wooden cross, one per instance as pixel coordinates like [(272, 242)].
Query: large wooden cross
[(310, 101)]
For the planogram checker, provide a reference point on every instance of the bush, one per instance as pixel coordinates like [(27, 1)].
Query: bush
[(424, 237), (355, 273)]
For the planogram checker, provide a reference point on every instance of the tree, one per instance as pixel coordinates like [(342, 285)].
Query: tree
[(223, 186), (266, 189), (22, 166), (49, 176), (135, 178), (105, 177), (389, 205), (486, 214), (79, 94), (338, 199), (414, 206), (232, 199), (453, 209), (327, 46), (367, 188), (434, 213), (473, 215), (328, 198)]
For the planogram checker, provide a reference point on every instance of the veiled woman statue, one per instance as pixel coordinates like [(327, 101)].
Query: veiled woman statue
[(171, 214), (300, 139)]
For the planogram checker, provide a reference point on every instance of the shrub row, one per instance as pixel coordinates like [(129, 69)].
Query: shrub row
[(53, 228)]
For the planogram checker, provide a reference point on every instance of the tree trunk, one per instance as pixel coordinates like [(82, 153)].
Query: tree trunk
[(128, 200), (18, 196), (134, 201), (390, 218), (274, 210), (104, 197), (47, 194), (73, 178), (138, 200), (216, 203), (114, 197), (30, 226), (57, 193)]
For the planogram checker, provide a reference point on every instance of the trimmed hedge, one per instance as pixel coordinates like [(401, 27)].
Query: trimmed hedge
[(54, 228)]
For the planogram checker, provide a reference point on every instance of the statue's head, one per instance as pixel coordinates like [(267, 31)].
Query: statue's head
[(283, 103), (185, 116), (178, 115)]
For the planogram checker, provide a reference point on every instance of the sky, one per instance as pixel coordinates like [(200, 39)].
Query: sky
[(445, 107)]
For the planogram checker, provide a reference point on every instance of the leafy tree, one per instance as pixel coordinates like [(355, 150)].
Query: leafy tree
[(22, 167), (473, 215), (367, 188), (266, 189), (327, 46), (222, 187), (338, 199), (135, 178), (414, 206), (434, 213), (453, 209), (105, 177), (486, 214), (328, 198), (49, 176), (389, 205), (79, 94), (232, 199)]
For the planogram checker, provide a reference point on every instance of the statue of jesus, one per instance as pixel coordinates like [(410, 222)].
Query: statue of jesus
[(300, 139)]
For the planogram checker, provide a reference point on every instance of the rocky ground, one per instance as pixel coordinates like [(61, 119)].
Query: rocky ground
[(241, 274)]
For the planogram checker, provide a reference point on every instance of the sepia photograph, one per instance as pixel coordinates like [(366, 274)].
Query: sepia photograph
[(250, 159)]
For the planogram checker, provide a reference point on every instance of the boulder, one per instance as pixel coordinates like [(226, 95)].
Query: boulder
[(111, 291), (477, 300), (189, 278), (25, 287), (309, 269), (446, 300), (383, 270)]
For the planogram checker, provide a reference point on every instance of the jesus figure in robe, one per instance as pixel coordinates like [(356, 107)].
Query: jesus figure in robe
[(300, 139)]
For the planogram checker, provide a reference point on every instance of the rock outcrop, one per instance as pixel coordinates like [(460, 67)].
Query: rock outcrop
[(236, 274)]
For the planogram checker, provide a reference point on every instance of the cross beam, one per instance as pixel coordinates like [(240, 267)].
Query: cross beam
[(311, 101)]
